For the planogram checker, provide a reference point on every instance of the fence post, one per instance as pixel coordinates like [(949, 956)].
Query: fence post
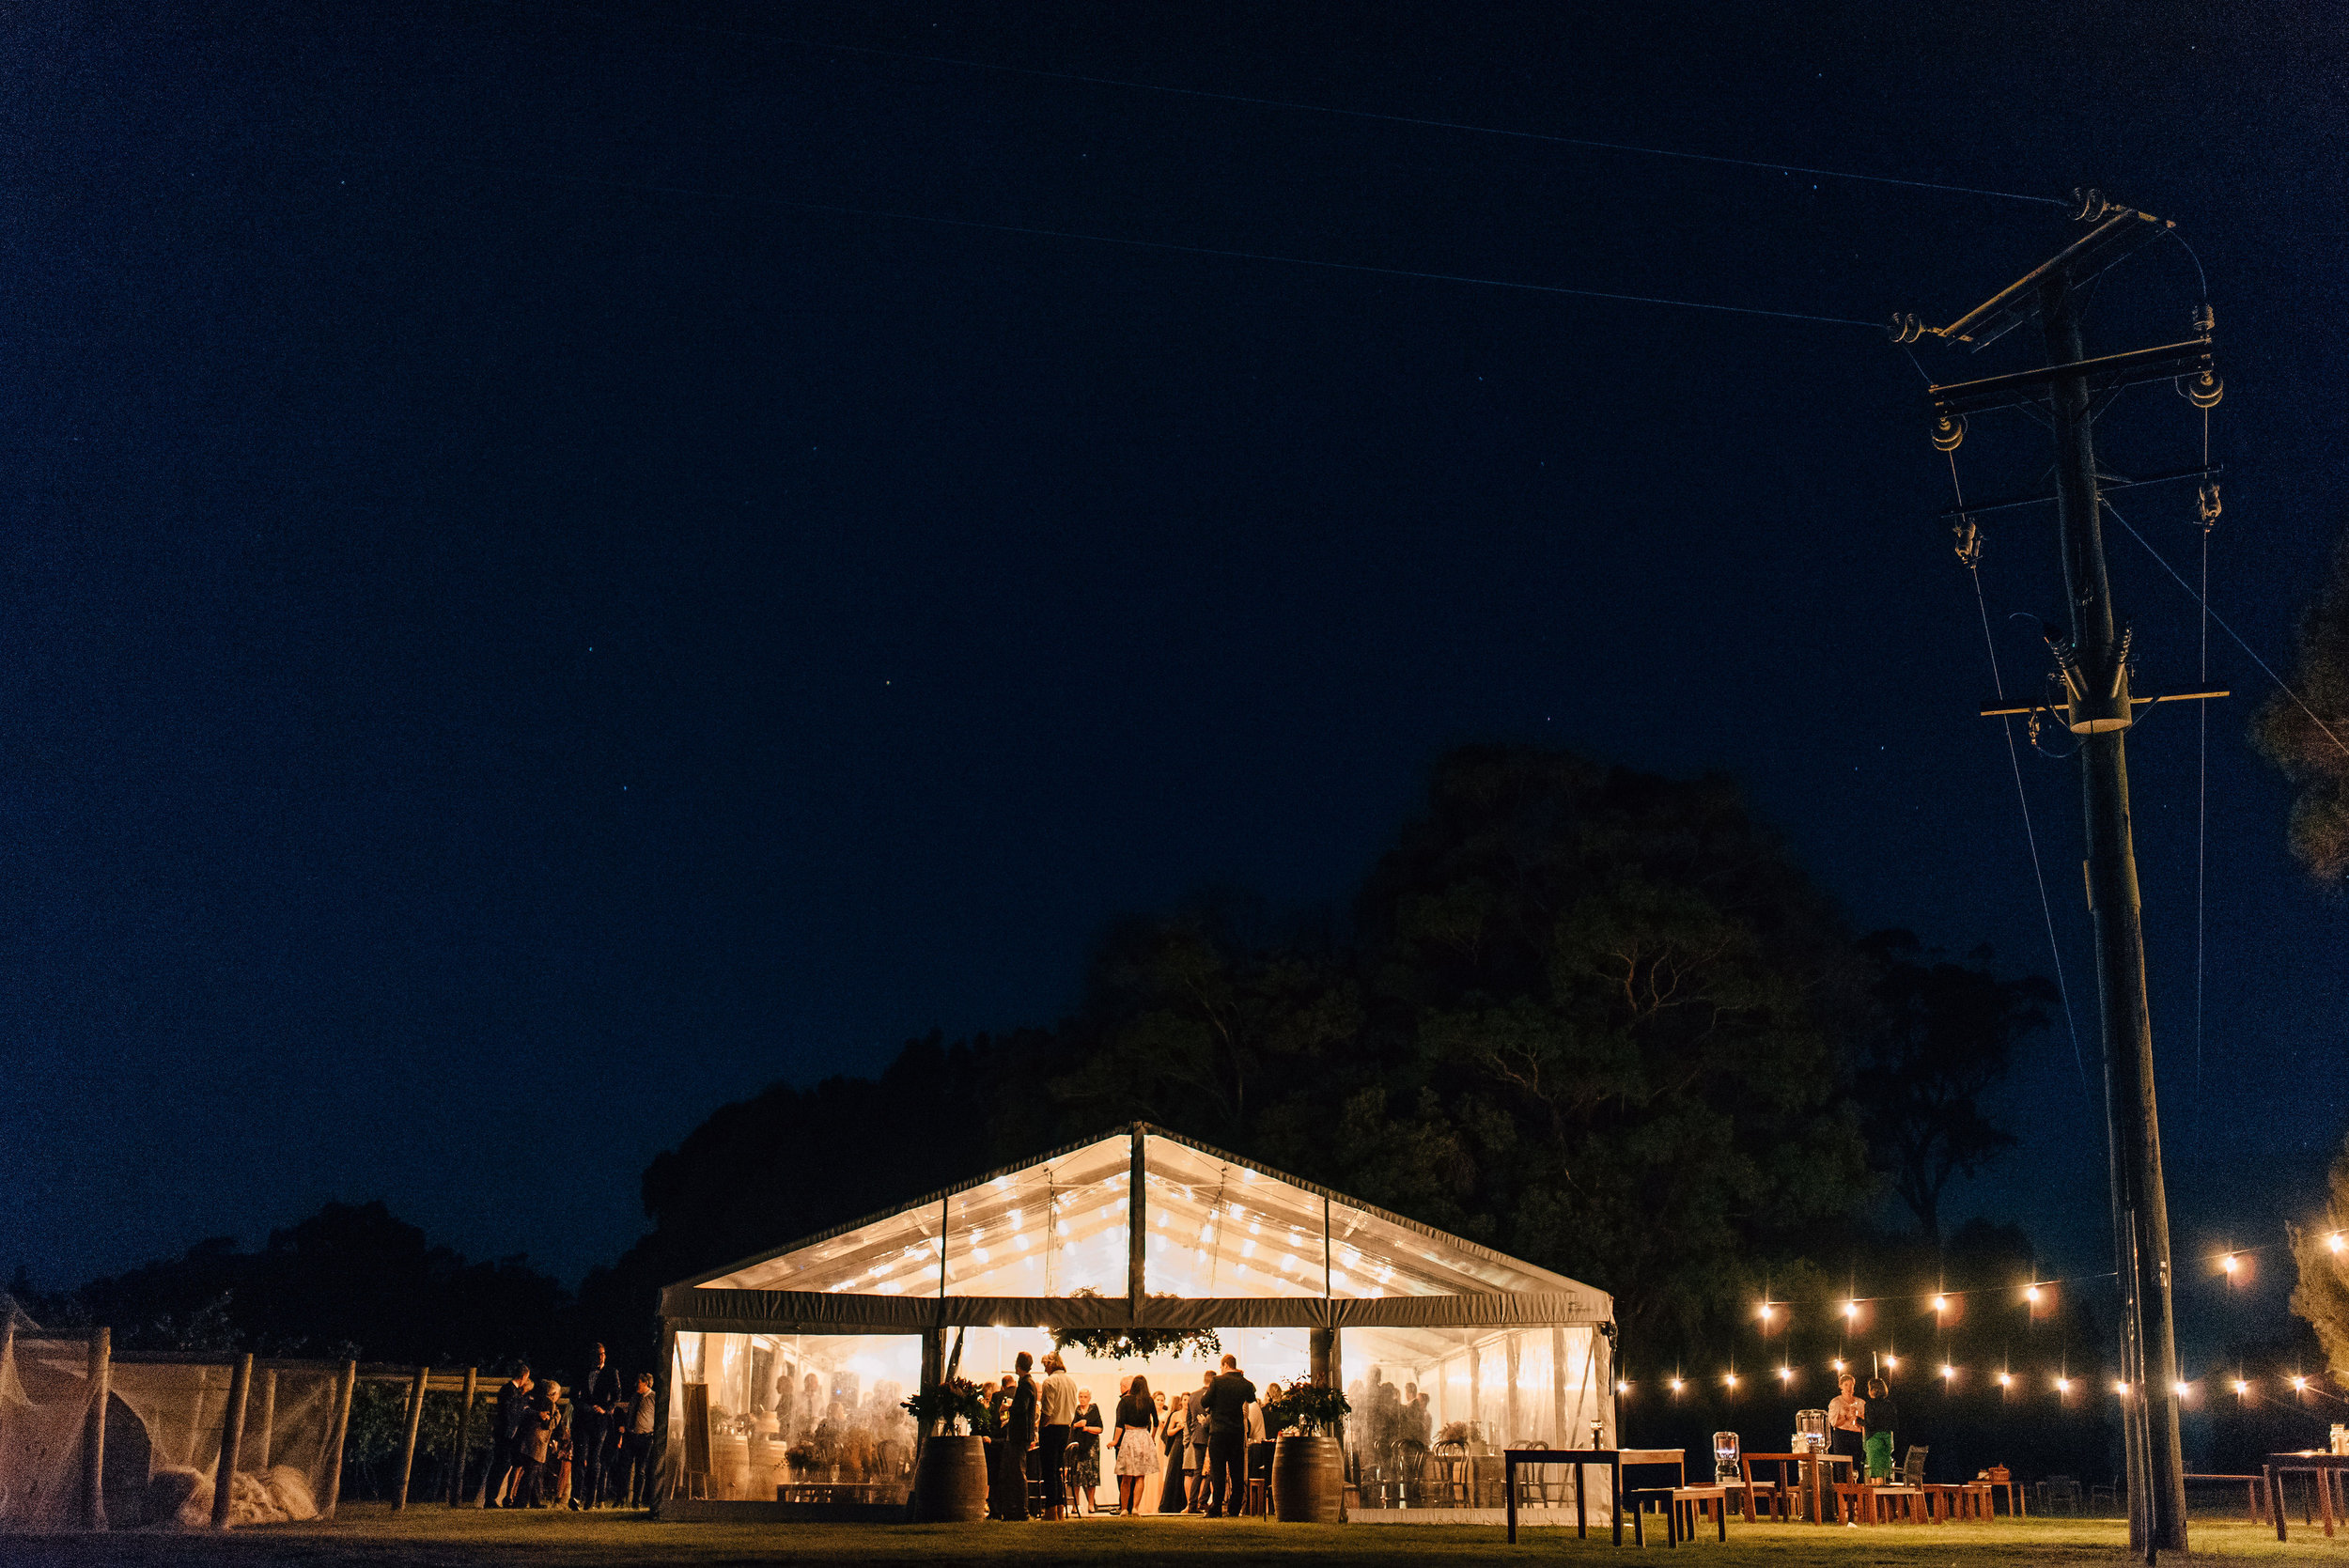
[(231, 1440), (268, 1420), (342, 1430), (408, 1444), (94, 1429), (464, 1437)]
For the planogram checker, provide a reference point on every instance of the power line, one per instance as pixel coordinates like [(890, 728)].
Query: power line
[(1461, 126), (1155, 244), (2231, 631)]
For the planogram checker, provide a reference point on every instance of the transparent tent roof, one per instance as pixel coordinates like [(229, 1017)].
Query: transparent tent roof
[(1212, 1226)]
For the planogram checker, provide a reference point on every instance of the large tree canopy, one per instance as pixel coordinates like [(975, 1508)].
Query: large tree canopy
[(2310, 743)]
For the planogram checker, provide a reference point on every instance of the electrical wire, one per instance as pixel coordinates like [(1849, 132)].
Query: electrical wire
[(1461, 126), (1220, 252), (2014, 761), (2221, 620)]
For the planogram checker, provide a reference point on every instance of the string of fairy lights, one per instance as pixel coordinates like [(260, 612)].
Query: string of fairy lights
[(2040, 1298)]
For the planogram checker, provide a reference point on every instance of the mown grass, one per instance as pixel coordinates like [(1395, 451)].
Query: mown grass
[(370, 1536)]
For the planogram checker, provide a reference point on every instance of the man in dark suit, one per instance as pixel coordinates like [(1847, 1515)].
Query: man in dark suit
[(595, 1403), (1019, 1436), (1227, 1399), (508, 1414)]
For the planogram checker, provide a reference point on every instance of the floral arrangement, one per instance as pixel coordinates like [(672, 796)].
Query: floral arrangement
[(1124, 1344), (1310, 1407), (957, 1398)]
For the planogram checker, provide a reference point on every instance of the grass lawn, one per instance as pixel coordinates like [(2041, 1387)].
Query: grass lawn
[(464, 1538)]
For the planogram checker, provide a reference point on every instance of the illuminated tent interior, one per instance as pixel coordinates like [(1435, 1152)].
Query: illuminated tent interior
[(800, 1355)]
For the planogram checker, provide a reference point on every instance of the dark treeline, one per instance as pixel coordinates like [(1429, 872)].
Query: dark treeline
[(1594, 1017)]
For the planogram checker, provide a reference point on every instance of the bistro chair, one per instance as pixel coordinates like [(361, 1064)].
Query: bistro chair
[(1450, 1466), (1410, 1473), (2060, 1489), (1538, 1485), (1773, 1499)]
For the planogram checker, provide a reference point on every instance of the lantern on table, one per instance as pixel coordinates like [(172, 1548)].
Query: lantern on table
[(1811, 1430), (1725, 1458)]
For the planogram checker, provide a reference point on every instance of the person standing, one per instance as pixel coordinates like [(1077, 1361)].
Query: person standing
[(1085, 1464), (1195, 1442), (1056, 1411), (1882, 1422), (1847, 1429), (1174, 1495), (595, 1417), (1228, 1399), (508, 1412), (636, 1445), (1019, 1436), (999, 1407), (537, 1448), (1137, 1444)]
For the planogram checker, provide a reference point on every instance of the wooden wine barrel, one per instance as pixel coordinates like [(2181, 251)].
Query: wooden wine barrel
[(952, 1483), (1308, 1479)]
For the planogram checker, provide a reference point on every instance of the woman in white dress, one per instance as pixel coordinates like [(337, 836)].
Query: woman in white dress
[(1137, 1444)]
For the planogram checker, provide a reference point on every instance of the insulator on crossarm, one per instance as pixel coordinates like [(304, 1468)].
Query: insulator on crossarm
[(2204, 391), (1906, 328), (1949, 429), (2204, 321), (2090, 204), (2206, 502)]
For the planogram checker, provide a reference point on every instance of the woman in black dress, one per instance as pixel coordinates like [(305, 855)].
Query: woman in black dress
[(1173, 1497)]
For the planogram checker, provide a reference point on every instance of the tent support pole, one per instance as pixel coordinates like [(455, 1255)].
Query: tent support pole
[(408, 1442), (343, 1393), (231, 1440), (94, 1431), (1137, 1228)]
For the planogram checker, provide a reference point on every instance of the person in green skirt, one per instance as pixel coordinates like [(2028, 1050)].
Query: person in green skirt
[(1883, 1421)]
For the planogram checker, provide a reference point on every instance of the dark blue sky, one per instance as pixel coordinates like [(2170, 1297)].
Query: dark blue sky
[(516, 635)]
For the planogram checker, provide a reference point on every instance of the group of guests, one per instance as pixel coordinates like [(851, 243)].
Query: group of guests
[(591, 1451), (1864, 1429), (1194, 1455)]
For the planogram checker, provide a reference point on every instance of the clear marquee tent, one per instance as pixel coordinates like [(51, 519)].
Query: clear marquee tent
[(791, 1363)]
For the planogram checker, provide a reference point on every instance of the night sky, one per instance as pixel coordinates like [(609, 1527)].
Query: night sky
[(516, 632)]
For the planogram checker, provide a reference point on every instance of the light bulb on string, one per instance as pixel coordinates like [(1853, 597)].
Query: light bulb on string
[(2006, 1380), (1623, 1385), (2183, 1388), (2121, 1386), (2063, 1385), (1676, 1385), (2299, 1385), (1948, 1371), (2241, 1388), (2336, 1241), (2031, 1294), (1940, 1303), (1729, 1380), (1785, 1374), (1851, 1310)]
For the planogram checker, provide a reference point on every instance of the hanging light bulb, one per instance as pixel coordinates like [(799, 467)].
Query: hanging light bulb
[(2230, 1262), (1837, 1363), (2183, 1388), (1764, 1311), (1729, 1380), (2241, 1388), (2031, 1294), (2299, 1385), (1851, 1309), (1623, 1385), (1940, 1303), (1676, 1385), (1891, 1362), (1785, 1374), (1948, 1371), (2336, 1241), (2063, 1385), (2006, 1380), (2121, 1386)]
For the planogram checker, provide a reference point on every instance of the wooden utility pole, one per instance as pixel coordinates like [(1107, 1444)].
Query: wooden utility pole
[(2089, 694)]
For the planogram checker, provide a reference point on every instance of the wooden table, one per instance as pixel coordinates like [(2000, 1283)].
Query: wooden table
[(1817, 1482), (1611, 1458), (2253, 1491), (2325, 1470)]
